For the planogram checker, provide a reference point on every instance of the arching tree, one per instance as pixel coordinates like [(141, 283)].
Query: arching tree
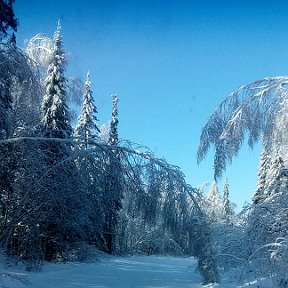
[(17, 74), (257, 110), (17, 78)]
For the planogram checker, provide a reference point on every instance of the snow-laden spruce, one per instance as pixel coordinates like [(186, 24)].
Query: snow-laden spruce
[(55, 113), (87, 127), (262, 180), (113, 132), (40, 49), (227, 210)]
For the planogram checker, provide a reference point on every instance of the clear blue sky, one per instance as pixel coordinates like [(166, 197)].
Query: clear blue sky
[(171, 63)]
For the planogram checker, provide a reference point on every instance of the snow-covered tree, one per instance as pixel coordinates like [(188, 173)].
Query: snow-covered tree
[(267, 222), (262, 177), (16, 76), (113, 183), (63, 185), (274, 184), (259, 111), (55, 113), (87, 127), (213, 195), (213, 203), (162, 214), (40, 49), (255, 110), (19, 86), (113, 133), (105, 132), (227, 211)]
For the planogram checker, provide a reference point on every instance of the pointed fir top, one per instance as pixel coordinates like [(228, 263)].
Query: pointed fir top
[(115, 103), (57, 50), (226, 204), (57, 36), (213, 194), (113, 135), (225, 193), (59, 28), (226, 184), (88, 82), (87, 128)]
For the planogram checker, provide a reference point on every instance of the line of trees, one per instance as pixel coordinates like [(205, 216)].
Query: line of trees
[(65, 190)]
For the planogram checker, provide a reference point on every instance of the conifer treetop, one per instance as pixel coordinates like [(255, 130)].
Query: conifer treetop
[(113, 135), (87, 127)]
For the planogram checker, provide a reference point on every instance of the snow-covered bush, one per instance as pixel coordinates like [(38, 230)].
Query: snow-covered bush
[(267, 235), (231, 245)]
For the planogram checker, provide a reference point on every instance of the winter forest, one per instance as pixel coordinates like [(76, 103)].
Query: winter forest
[(70, 188)]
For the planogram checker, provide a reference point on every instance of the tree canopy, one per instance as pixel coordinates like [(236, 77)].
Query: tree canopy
[(256, 111)]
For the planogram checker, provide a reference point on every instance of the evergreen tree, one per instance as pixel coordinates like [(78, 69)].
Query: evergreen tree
[(90, 165), (227, 209), (113, 191), (87, 128), (113, 134), (55, 114), (274, 181), (257, 110), (105, 132), (62, 182), (213, 202), (7, 18), (213, 194), (262, 177)]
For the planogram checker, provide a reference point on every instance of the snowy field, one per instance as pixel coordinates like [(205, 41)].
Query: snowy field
[(148, 272)]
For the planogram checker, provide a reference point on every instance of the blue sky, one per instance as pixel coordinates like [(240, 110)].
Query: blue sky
[(171, 63)]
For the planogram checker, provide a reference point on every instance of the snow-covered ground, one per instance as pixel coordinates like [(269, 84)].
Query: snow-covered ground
[(141, 272)]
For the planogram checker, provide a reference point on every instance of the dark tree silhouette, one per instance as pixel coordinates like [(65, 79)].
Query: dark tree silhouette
[(7, 18)]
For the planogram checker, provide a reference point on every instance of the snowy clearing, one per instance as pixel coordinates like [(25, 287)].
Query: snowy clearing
[(112, 272), (148, 272)]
